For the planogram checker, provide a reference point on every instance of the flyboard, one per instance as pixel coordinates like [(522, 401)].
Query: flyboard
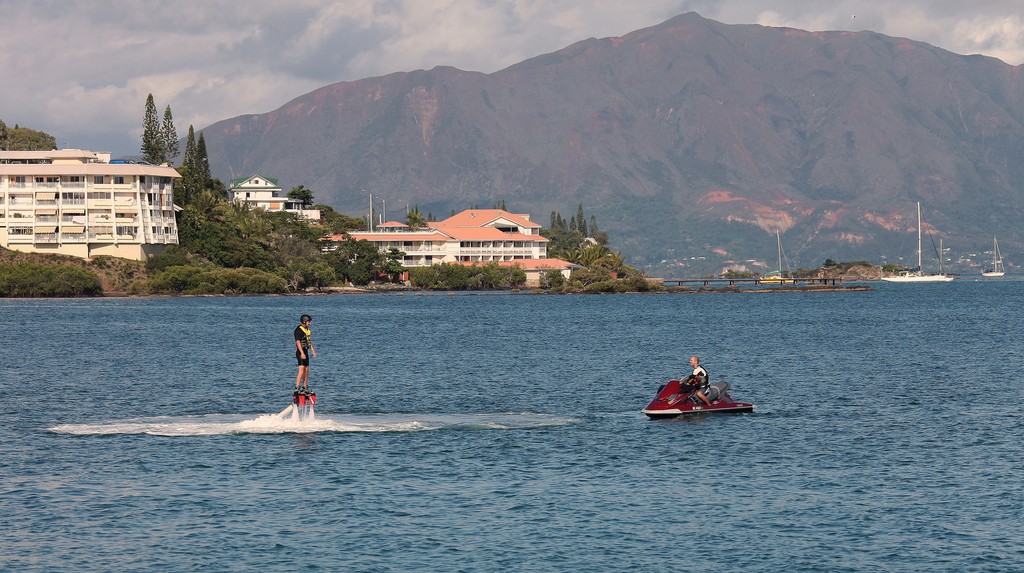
[(302, 406)]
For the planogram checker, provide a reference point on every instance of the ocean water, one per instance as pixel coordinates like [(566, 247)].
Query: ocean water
[(502, 432)]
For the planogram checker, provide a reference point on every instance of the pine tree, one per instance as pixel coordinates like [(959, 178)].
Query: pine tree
[(190, 185), (152, 144), (169, 137), (581, 221), (203, 162), (189, 159)]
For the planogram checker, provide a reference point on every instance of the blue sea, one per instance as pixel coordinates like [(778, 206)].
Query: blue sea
[(502, 432)]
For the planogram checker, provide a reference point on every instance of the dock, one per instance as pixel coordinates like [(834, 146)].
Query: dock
[(795, 282)]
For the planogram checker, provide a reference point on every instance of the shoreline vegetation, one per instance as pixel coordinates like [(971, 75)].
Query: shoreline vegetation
[(235, 250), (34, 275)]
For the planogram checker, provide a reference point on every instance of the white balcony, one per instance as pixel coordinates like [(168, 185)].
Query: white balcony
[(73, 237)]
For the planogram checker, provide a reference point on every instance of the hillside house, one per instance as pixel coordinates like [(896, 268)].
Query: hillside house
[(266, 193)]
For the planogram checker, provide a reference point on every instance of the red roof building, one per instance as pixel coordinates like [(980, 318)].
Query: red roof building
[(473, 236)]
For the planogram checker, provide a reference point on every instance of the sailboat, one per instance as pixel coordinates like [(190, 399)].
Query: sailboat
[(775, 277), (997, 262), (916, 276)]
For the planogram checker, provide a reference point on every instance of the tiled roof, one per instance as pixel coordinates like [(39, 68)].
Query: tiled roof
[(446, 234), (481, 217), (408, 236), (238, 181), (528, 264), (489, 234)]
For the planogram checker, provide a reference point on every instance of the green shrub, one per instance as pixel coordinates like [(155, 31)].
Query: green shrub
[(301, 274), (447, 276), (32, 280), (173, 256), (195, 280), (601, 286), (553, 279)]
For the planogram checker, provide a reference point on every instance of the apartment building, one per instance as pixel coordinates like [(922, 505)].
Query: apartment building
[(80, 203), (266, 193)]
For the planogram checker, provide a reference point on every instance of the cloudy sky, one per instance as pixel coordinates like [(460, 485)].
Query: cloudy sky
[(81, 69)]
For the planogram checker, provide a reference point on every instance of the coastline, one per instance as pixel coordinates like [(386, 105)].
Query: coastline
[(391, 290)]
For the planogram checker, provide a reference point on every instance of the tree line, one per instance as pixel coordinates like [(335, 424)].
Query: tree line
[(19, 138)]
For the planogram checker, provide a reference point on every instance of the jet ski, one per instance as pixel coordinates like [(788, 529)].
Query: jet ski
[(677, 398)]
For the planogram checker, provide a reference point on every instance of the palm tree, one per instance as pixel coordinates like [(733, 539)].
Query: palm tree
[(415, 220), (206, 203)]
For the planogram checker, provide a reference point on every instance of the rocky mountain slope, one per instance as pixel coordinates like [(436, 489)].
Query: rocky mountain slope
[(691, 138)]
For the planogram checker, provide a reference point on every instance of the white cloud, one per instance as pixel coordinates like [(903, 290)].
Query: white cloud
[(1000, 37), (81, 69)]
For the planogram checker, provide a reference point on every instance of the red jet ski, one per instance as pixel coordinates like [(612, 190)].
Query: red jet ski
[(677, 398)]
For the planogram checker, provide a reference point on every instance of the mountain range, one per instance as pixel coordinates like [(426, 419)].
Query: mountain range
[(689, 140)]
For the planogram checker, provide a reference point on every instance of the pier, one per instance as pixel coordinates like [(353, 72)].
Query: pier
[(753, 282)]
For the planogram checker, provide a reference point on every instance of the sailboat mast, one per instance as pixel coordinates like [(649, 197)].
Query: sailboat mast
[(919, 237), (778, 240)]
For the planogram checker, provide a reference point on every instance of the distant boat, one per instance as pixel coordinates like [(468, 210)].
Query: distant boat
[(916, 276), (775, 277), (997, 262)]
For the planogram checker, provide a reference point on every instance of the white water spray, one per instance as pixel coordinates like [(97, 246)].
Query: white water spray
[(290, 421)]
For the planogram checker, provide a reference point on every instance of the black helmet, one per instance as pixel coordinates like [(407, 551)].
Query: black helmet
[(305, 318)]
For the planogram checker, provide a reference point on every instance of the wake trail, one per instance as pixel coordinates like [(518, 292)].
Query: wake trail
[(288, 421)]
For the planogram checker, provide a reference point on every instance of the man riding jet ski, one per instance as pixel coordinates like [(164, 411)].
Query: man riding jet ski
[(694, 394)]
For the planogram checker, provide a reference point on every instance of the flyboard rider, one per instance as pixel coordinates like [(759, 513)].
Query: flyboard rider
[(303, 349)]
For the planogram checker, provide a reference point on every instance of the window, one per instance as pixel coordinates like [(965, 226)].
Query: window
[(118, 180), (97, 180), (72, 198)]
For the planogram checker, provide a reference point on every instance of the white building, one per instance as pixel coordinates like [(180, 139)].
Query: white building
[(474, 236), (79, 203), (266, 193)]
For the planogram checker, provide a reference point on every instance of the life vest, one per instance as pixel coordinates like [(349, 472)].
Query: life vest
[(701, 378), (309, 334), (701, 373)]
